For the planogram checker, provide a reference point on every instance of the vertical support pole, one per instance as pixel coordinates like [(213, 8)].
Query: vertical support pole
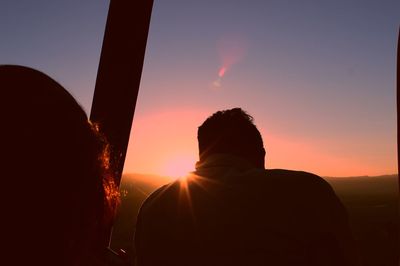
[(118, 77), (119, 73)]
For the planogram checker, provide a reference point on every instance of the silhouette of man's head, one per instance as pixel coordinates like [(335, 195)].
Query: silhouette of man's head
[(232, 132), (55, 169)]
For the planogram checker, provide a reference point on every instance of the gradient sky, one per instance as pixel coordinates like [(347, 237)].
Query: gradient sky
[(318, 76)]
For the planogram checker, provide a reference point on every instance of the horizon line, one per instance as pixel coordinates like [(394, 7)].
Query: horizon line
[(323, 176)]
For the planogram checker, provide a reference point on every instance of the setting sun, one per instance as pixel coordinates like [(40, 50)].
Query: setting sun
[(179, 166)]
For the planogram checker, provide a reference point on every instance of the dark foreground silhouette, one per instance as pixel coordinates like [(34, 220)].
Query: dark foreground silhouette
[(231, 211), (58, 192)]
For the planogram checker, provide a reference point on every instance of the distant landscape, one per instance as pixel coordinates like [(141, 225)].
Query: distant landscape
[(372, 203)]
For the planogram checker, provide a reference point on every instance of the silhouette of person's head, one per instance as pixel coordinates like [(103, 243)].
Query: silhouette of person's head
[(231, 132), (55, 170)]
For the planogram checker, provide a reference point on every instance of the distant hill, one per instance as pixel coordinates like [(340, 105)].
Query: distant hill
[(349, 189), (372, 203), (146, 180)]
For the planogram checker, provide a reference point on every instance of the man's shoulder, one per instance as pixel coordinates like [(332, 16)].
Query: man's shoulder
[(296, 176), (286, 172), (300, 181), (161, 196)]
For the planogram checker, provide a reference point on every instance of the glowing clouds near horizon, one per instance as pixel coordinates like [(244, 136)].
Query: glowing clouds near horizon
[(231, 50)]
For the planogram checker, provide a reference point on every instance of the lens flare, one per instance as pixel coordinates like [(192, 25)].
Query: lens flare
[(231, 50), (221, 72)]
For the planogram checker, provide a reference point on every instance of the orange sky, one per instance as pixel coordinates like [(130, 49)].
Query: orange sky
[(165, 143)]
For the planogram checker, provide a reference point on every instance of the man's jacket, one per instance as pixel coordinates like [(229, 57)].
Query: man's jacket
[(228, 213)]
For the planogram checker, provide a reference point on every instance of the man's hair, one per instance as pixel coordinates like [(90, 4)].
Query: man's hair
[(231, 131)]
